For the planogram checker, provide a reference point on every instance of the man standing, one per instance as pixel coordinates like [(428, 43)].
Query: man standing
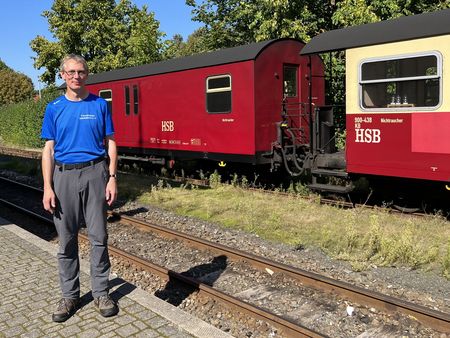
[(79, 183)]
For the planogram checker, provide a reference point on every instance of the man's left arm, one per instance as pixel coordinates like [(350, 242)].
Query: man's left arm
[(111, 187)]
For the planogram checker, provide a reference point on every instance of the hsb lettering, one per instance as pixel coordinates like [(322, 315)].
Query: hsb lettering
[(167, 126), (368, 135)]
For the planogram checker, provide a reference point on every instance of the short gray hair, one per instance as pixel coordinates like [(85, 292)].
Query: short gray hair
[(74, 57)]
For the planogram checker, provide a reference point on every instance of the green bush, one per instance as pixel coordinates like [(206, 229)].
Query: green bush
[(20, 123)]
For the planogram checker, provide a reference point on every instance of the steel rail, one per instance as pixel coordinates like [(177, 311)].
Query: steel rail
[(286, 327), (435, 319), (432, 318)]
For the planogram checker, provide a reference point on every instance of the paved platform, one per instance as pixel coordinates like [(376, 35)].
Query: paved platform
[(29, 291)]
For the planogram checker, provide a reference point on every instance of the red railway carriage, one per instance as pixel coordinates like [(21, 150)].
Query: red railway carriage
[(397, 103), (222, 106)]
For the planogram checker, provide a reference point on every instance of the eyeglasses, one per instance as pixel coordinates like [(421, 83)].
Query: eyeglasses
[(71, 73)]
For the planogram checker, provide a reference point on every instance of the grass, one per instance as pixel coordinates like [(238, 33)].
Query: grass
[(361, 236), (364, 237)]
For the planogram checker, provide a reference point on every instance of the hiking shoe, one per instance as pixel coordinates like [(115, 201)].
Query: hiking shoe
[(106, 306), (66, 309)]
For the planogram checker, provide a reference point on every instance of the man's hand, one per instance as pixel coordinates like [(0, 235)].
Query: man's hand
[(49, 200), (111, 191)]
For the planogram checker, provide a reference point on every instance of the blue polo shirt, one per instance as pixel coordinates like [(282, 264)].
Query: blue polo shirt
[(78, 128)]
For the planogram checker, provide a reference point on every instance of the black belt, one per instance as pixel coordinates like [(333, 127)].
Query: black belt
[(63, 166)]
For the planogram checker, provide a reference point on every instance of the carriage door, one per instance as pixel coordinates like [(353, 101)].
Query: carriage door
[(295, 110), (133, 130)]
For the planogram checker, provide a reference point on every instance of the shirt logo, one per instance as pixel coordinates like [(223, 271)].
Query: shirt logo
[(88, 117)]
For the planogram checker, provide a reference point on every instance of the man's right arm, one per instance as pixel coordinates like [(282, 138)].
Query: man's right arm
[(48, 163)]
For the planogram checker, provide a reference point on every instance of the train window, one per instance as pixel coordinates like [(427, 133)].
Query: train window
[(403, 82), (218, 94), (127, 100), (290, 81), (107, 95), (135, 100)]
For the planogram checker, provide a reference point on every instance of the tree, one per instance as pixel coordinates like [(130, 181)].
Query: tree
[(14, 87), (358, 12), (237, 22), (3, 65), (109, 35), (195, 44)]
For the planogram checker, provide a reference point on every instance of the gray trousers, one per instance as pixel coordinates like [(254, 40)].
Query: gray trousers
[(80, 193)]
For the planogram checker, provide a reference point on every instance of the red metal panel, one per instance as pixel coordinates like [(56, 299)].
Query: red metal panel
[(395, 145), (172, 112), (269, 87), (431, 133)]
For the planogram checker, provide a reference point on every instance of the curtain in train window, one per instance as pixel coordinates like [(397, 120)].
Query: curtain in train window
[(218, 94), (409, 81), (107, 95)]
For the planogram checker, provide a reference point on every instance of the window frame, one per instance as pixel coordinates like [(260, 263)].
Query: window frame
[(219, 90), (439, 76), (295, 68)]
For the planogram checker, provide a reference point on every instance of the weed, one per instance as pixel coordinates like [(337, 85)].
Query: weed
[(446, 262), (215, 180)]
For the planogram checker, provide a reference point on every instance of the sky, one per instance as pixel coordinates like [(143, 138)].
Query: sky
[(21, 21)]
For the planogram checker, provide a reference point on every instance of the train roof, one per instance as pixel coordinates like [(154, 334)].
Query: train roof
[(400, 29), (219, 57)]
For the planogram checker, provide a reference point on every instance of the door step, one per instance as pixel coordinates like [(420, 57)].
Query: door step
[(328, 172), (331, 188)]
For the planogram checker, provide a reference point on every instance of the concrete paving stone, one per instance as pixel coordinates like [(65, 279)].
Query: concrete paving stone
[(27, 294), (34, 315), (157, 322), (133, 308), (147, 333), (127, 330), (32, 334), (14, 331), (70, 330), (171, 331), (91, 333), (51, 327), (86, 313), (17, 321), (32, 325), (88, 324), (124, 319), (108, 328), (139, 324), (147, 314), (9, 296), (181, 335), (7, 307), (39, 304), (4, 316), (111, 334), (124, 302)]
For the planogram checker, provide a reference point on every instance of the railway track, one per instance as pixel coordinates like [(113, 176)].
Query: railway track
[(286, 327), (435, 319)]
